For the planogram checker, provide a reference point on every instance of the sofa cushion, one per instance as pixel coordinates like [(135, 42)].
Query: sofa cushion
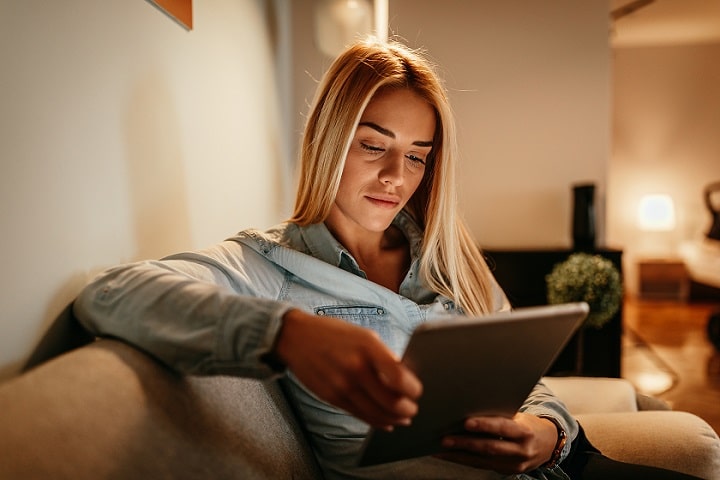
[(109, 411)]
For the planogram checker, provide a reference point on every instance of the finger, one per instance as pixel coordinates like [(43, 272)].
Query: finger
[(387, 384), (363, 399), (482, 445), (396, 376), (353, 385), (362, 405), (498, 427), (374, 395)]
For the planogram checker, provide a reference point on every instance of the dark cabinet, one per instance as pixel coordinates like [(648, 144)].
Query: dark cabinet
[(521, 273)]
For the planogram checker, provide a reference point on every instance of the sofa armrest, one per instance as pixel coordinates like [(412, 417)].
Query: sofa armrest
[(674, 440), (634, 428), (594, 394)]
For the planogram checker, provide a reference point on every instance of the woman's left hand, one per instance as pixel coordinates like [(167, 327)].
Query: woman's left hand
[(505, 445)]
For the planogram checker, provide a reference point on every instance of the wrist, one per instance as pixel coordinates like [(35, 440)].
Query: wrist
[(556, 455), (275, 358)]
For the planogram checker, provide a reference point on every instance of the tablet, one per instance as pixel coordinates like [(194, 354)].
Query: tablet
[(469, 366)]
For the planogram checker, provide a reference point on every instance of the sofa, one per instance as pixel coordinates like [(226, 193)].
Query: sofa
[(105, 410)]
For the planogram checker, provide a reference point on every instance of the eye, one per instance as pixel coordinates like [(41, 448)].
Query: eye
[(371, 148), (415, 159)]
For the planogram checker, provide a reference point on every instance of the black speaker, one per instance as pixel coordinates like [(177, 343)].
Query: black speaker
[(583, 221)]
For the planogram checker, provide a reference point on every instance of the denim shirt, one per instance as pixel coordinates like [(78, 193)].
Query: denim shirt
[(219, 311)]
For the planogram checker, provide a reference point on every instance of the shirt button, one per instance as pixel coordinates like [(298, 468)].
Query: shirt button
[(446, 306), (321, 312), (380, 311)]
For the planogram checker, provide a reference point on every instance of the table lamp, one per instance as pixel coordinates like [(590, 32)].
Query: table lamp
[(656, 213)]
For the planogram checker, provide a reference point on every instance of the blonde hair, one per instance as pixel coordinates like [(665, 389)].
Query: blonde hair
[(450, 262)]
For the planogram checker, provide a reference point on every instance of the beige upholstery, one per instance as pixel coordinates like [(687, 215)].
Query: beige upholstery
[(639, 429), (107, 411), (674, 440), (594, 395)]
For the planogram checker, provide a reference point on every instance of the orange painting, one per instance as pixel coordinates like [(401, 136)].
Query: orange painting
[(179, 10)]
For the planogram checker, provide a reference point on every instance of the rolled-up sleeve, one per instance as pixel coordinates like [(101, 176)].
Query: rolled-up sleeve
[(542, 402), (211, 312)]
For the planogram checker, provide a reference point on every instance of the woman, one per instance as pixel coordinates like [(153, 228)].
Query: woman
[(328, 299)]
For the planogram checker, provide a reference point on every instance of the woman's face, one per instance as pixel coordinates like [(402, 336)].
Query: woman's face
[(385, 163)]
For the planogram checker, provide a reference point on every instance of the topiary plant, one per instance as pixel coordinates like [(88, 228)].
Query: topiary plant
[(583, 277)]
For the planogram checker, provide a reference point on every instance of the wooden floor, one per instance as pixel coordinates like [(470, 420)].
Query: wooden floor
[(667, 353)]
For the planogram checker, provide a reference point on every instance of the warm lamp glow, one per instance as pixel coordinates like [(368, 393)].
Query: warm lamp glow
[(340, 22), (656, 213)]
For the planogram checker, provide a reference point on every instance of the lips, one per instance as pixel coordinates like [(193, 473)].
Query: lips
[(383, 200)]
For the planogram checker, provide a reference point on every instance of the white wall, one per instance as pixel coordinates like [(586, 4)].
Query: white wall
[(123, 136), (666, 117), (530, 84)]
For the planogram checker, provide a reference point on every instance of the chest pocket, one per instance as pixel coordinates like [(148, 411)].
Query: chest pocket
[(368, 316)]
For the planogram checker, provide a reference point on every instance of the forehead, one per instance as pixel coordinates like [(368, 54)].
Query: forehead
[(394, 95), (399, 107)]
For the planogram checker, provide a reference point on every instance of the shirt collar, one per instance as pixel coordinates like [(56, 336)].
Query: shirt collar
[(325, 247)]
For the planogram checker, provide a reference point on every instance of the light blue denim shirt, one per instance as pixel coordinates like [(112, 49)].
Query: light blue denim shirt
[(219, 311)]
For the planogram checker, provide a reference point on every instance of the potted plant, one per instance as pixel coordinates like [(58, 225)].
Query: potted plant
[(590, 278)]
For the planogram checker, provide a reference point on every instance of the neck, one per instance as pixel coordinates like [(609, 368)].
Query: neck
[(383, 256)]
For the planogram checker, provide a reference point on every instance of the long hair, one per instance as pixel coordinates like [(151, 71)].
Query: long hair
[(450, 262)]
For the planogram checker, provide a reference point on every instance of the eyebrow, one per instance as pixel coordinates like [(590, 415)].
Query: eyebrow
[(388, 133)]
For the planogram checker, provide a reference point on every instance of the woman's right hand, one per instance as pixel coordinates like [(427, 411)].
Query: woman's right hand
[(350, 367)]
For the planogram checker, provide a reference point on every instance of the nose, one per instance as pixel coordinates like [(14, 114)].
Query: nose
[(393, 170)]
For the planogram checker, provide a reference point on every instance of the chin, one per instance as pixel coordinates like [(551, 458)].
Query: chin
[(378, 226)]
